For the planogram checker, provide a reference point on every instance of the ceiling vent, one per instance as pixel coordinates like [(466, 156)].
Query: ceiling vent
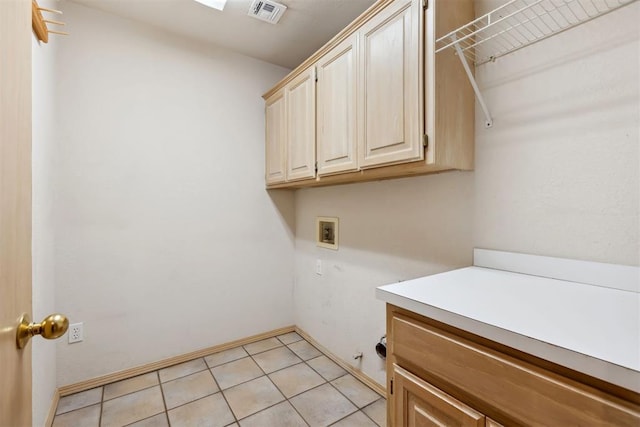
[(267, 10)]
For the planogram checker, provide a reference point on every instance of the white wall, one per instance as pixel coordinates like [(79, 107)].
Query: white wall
[(388, 231), (165, 235), (557, 175), (43, 285), (166, 240)]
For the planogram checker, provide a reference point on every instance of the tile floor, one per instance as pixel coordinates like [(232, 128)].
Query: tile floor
[(278, 382)]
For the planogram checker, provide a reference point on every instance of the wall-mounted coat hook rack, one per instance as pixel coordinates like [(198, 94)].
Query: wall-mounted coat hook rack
[(39, 24)]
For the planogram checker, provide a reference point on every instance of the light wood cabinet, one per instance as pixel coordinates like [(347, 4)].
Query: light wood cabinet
[(421, 404), (300, 101), (275, 135), (387, 105), (457, 378), (336, 104), (391, 125)]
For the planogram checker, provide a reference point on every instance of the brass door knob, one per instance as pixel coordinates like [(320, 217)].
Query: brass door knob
[(52, 327)]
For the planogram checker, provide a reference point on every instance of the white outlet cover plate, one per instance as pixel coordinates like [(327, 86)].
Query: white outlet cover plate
[(76, 333)]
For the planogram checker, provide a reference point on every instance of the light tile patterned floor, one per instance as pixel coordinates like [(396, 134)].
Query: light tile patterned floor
[(278, 382)]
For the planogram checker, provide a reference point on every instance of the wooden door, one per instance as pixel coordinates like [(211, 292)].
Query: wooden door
[(419, 404), (15, 208), (300, 100), (336, 103), (391, 86), (276, 139)]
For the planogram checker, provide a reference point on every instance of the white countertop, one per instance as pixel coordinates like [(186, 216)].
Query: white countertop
[(586, 327)]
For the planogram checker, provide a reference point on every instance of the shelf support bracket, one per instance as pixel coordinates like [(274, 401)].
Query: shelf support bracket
[(488, 121)]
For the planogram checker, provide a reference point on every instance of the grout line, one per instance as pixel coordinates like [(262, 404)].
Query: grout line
[(101, 407), (318, 372), (235, 419), (164, 402), (286, 399), (346, 416), (127, 394), (304, 391), (352, 402), (246, 354), (81, 407), (298, 412), (199, 398), (146, 418), (284, 343), (254, 361), (251, 379), (102, 380), (312, 388), (263, 351), (178, 377), (191, 401), (282, 369), (264, 409), (358, 373), (294, 406), (367, 415)]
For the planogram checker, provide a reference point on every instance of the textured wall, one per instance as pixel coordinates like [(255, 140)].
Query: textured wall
[(43, 145), (558, 174), (389, 231), (166, 241)]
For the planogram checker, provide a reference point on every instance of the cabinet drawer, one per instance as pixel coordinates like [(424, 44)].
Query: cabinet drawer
[(520, 390), (419, 403)]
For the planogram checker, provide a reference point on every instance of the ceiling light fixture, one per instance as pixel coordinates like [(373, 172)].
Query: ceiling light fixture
[(215, 4)]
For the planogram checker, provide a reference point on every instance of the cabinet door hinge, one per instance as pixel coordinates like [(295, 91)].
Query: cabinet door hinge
[(425, 140), (316, 168), (315, 73), (425, 4), (391, 387)]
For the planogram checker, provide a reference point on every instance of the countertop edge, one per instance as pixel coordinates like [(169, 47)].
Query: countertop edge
[(597, 368)]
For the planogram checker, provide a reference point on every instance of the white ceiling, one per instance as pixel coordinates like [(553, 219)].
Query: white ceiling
[(305, 26)]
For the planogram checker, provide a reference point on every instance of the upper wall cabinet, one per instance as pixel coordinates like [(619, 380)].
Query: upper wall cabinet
[(391, 127), (336, 103), (375, 102), (300, 101), (275, 135)]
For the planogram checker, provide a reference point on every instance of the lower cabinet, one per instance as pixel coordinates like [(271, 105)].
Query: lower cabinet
[(441, 376), (418, 404)]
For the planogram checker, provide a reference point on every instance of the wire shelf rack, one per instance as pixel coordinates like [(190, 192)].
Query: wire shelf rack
[(520, 23), (514, 25)]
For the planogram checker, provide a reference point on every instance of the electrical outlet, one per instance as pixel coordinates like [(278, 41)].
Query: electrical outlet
[(76, 333), (319, 267)]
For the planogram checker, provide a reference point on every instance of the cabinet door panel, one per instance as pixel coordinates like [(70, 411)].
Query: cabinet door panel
[(391, 86), (336, 92), (522, 391), (276, 137), (300, 97), (419, 404)]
